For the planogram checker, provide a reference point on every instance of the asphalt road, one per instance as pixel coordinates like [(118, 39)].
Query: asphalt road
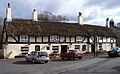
[(88, 65)]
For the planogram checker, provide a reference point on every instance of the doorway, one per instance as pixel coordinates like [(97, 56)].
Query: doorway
[(93, 48), (37, 48), (63, 48)]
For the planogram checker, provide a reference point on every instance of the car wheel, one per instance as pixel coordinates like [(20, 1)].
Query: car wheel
[(62, 58), (26, 59), (110, 56), (33, 61), (46, 61), (80, 57)]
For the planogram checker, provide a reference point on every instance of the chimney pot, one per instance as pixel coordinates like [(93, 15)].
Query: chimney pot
[(9, 5), (33, 9), (80, 13)]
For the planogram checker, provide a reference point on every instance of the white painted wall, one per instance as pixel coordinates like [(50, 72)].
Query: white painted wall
[(39, 39), (32, 38), (45, 39), (62, 39), (72, 39), (10, 39), (67, 39)]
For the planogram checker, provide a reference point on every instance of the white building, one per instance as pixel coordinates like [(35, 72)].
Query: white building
[(21, 36)]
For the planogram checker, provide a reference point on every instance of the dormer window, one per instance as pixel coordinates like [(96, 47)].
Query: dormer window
[(24, 38), (54, 38), (78, 38)]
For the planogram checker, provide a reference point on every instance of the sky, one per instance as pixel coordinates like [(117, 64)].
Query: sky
[(94, 12)]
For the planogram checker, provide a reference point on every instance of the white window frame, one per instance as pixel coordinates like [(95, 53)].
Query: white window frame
[(54, 38), (24, 38), (55, 49), (24, 50), (77, 46)]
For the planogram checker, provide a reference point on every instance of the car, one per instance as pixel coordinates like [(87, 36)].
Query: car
[(38, 56), (72, 54), (114, 52)]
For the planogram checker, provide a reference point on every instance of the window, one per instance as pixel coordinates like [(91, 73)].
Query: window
[(77, 46), (37, 48), (55, 49), (78, 38), (83, 47), (24, 38), (54, 38), (48, 48), (100, 46), (24, 50)]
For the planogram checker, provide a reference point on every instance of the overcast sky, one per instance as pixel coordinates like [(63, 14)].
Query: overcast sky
[(94, 11)]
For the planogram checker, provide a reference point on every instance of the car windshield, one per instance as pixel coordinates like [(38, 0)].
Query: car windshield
[(114, 49), (33, 53), (42, 54)]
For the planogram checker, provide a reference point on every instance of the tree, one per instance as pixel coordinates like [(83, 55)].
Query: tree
[(49, 17)]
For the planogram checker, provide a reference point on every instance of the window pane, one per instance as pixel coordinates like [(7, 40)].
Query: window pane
[(78, 38), (77, 46), (24, 50), (24, 38)]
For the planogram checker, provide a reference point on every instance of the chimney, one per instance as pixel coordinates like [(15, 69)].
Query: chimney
[(34, 15), (80, 19), (107, 22), (8, 13), (111, 23)]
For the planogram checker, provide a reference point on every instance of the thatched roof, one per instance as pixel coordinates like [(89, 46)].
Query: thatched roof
[(99, 31), (18, 27), (29, 27)]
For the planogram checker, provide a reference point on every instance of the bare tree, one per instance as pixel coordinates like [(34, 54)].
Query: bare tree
[(49, 17)]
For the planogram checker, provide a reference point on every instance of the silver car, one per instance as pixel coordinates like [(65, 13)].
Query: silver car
[(37, 56)]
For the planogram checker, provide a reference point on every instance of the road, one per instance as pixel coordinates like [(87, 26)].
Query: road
[(88, 65)]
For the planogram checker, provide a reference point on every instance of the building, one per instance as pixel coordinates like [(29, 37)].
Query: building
[(115, 29), (21, 36)]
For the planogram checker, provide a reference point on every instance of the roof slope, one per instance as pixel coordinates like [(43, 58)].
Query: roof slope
[(18, 27), (29, 27), (99, 31)]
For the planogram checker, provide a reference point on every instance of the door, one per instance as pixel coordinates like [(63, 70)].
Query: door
[(63, 48), (93, 48), (37, 48)]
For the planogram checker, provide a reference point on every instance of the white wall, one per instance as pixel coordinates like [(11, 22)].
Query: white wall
[(10, 39), (45, 39), (39, 39), (32, 38)]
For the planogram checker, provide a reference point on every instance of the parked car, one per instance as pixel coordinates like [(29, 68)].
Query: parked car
[(37, 56), (114, 52), (72, 54)]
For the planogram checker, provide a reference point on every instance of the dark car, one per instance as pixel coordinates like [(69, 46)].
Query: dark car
[(72, 54), (114, 52)]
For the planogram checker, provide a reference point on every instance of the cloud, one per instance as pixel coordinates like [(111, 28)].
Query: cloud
[(94, 11)]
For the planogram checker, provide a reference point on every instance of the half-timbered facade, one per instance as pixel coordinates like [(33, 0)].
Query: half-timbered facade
[(21, 36)]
